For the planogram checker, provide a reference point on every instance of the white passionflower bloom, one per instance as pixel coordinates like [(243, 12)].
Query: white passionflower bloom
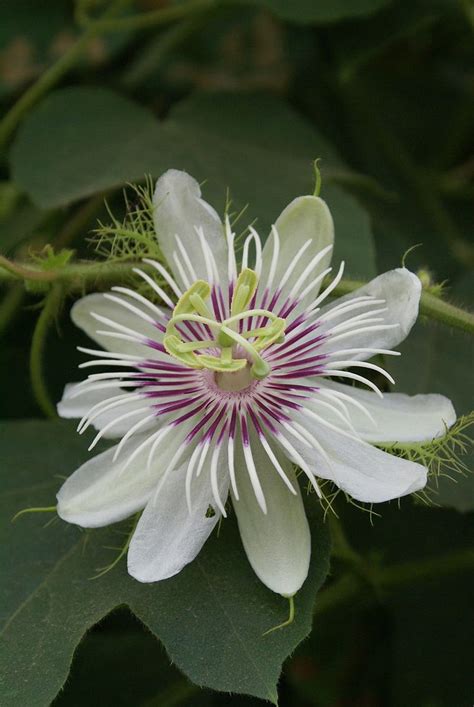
[(223, 387)]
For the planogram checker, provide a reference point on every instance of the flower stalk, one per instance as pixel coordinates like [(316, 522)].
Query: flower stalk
[(45, 319)]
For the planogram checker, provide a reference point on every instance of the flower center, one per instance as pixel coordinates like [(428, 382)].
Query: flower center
[(234, 382), (198, 340)]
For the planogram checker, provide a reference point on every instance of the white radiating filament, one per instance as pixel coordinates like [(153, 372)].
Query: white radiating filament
[(231, 262), (214, 482), (186, 281), (112, 423), (131, 308), (187, 261), (307, 271), (155, 287), (140, 298), (274, 261), (166, 276), (293, 263)]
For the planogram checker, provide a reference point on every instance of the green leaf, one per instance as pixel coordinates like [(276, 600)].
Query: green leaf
[(321, 11), (210, 617), (80, 141), (19, 224), (101, 140)]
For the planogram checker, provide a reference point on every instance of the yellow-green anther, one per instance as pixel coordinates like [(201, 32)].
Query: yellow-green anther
[(274, 332), (185, 305), (200, 306), (172, 344), (244, 291)]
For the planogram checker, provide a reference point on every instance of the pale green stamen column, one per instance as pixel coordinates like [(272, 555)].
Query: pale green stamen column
[(192, 307)]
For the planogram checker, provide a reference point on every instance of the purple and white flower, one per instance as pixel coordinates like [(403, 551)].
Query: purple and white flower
[(217, 391)]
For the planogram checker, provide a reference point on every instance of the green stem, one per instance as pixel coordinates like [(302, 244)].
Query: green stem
[(79, 220), (342, 550), (176, 694), (136, 73), (153, 18), (10, 304), (349, 587), (46, 317), (434, 567)]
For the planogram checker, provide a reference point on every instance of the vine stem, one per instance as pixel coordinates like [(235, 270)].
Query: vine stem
[(78, 276), (342, 550), (46, 317), (10, 305), (152, 18)]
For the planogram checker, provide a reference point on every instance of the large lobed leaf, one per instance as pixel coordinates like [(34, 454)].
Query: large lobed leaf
[(255, 145), (211, 617)]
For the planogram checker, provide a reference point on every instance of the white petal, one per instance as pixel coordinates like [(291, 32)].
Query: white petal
[(102, 491), (278, 543), (398, 417), (76, 407), (364, 472), (305, 218), (401, 290), (178, 211), (81, 315), (168, 536)]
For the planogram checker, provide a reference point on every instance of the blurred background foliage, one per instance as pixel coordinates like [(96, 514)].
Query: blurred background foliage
[(245, 95)]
